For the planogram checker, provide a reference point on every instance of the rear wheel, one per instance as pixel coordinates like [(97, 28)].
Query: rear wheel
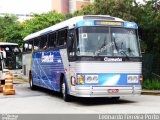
[(33, 87), (65, 95)]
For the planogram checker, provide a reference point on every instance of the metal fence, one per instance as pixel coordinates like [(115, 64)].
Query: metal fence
[(151, 66)]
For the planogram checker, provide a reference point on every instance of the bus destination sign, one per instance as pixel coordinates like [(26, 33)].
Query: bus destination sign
[(109, 23)]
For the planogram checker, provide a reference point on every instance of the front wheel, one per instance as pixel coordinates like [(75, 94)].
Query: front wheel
[(66, 97)]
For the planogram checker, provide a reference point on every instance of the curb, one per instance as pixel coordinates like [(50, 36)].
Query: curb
[(151, 92)]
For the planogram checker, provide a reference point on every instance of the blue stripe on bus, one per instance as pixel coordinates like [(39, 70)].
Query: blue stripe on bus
[(91, 23), (110, 79), (46, 69)]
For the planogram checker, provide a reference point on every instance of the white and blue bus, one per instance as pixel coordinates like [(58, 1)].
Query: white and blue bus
[(85, 56)]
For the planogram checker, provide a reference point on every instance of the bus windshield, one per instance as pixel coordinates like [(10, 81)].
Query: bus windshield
[(13, 58), (107, 41)]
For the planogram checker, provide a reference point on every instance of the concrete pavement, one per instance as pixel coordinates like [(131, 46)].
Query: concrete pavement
[(42, 101), (21, 82)]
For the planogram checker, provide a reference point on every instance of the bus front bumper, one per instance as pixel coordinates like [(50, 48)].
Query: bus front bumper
[(105, 91)]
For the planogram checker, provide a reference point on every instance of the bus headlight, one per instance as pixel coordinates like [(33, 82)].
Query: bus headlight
[(132, 78), (91, 79)]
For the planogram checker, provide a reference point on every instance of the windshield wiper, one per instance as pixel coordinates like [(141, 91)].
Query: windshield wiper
[(124, 53), (115, 44)]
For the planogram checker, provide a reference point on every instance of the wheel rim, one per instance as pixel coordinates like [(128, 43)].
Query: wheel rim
[(63, 89), (31, 83)]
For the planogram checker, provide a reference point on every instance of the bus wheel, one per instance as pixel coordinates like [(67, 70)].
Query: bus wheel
[(115, 98), (33, 87), (66, 97)]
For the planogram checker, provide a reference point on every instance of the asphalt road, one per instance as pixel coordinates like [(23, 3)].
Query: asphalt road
[(44, 101)]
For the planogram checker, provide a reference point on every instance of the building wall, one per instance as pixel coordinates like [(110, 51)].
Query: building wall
[(79, 4), (72, 6), (56, 5), (61, 6), (66, 6)]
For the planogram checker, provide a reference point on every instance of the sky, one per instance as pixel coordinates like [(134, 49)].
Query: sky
[(25, 6)]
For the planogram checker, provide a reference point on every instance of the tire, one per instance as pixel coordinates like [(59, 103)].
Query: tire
[(33, 87), (64, 91), (115, 98)]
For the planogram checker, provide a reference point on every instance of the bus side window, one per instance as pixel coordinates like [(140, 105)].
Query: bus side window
[(62, 37), (43, 42), (25, 47), (36, 44), (52, 40)]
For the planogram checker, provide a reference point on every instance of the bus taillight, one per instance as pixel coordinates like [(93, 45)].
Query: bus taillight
[(141, 79)]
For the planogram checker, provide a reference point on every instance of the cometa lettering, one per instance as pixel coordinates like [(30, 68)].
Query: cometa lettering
[(112, 59)]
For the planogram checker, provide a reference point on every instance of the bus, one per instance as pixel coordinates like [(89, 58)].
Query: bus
[(2, 55), (12, 59), (85, 56)]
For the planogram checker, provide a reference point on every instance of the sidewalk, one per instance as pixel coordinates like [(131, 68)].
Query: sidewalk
[(151, 92)]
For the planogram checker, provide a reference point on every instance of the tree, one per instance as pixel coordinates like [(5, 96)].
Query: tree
[(14, 31), (41, 21), (10, 29), (117, 8), (147, 16)]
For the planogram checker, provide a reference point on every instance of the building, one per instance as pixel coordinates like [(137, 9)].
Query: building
[(80, 3), (24, 9), (69, 6), (60, 5)]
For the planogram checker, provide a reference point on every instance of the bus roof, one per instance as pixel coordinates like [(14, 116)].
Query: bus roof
[(70, 23), (7, 43)]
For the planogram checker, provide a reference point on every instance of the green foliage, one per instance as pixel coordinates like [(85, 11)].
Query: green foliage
[(14, 31), (151, 84), (117, 8), (76, 13), (147, 17), (41, 21), (10, 27)]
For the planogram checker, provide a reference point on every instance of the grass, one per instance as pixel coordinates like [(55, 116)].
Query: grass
[(151, 84)]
